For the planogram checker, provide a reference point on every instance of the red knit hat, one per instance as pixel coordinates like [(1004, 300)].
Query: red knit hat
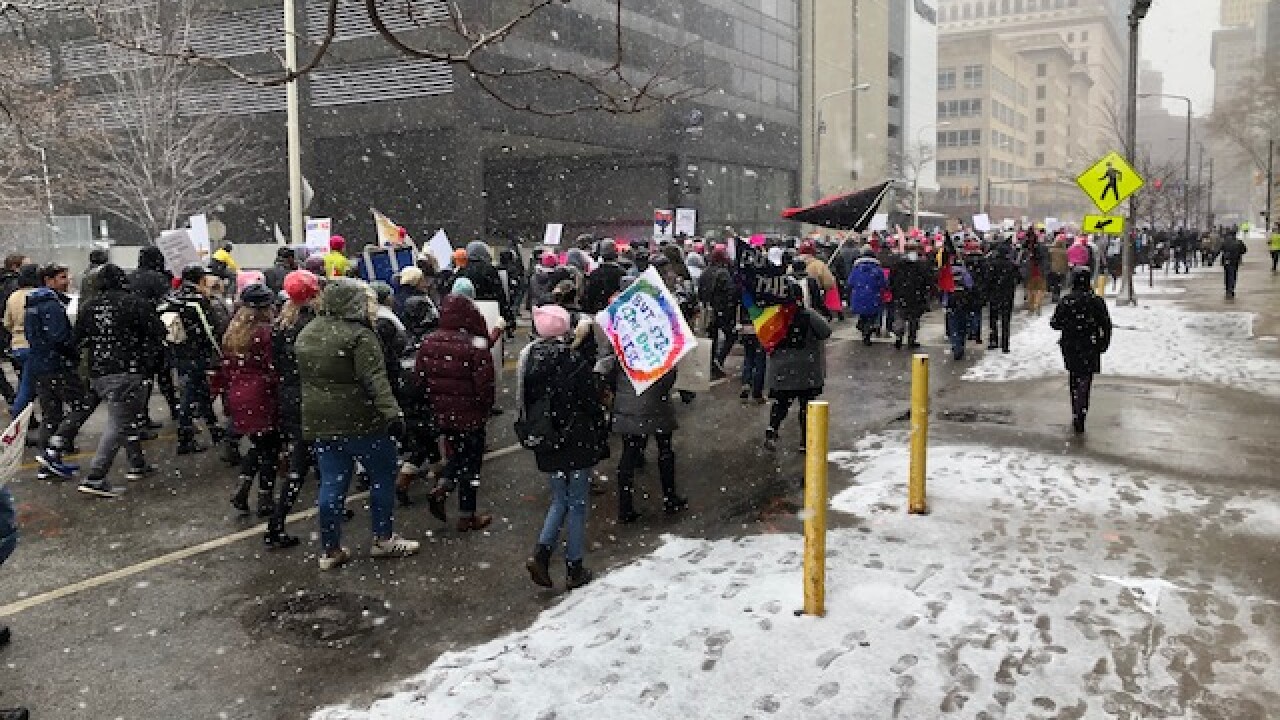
[(808, 248), (301, 286), (337, 243)]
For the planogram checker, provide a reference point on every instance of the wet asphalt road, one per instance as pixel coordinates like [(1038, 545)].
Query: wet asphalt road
[(233, 631)]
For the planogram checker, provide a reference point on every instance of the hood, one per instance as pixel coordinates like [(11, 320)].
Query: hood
[(346, 299), (43, 295), (695, 261), (673, 254), (868, 260), (111, 279), (578, 259), (478, 252), (150, 258), (460, 313)]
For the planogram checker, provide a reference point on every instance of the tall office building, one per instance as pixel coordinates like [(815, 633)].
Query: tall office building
[(422, 142), (1237, 13), (913, 91)]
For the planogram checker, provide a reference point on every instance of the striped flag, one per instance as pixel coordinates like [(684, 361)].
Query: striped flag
[(764, 295)]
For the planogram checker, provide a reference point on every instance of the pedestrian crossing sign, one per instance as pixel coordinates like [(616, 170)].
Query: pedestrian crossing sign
[(1110, 182), (1105, 224)]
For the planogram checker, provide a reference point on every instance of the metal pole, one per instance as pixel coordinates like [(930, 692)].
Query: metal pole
[(1208, 206), (915, 200), (1131, 145), (1271, 155), (1186, 180), (815, 505), (817, 152), (297, 227), (917, 503), (48, 188), (1200, 189)]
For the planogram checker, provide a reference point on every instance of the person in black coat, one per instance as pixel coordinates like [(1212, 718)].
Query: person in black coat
[(1085, 324), (911, 281), (1003, 277), (562, 399), (603, 282), (154, 283), (1233, 250)]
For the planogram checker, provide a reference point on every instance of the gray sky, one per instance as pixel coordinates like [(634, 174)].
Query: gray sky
[(1176, 39)]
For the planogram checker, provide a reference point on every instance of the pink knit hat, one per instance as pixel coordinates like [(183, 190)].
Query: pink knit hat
[(550, 321)]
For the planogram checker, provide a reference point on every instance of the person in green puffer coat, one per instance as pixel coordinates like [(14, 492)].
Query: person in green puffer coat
[(349, 412)]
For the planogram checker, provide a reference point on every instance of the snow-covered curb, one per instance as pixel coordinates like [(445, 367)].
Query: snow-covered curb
[(1156, 340), (1034, 589)]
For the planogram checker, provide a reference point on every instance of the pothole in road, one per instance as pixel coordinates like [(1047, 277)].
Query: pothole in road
[(986, 415), (319, 619)]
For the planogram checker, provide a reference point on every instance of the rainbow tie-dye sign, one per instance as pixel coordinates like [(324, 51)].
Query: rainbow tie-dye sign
[(648, 333)]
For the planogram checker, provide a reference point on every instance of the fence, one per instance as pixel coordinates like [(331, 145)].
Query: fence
[(66, 240)]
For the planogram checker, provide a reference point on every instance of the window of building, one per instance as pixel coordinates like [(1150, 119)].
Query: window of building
[(968, 11), (946, 79), (1071, 37), (973, 77), (1041, 92), (1040, 115), (1039, 137), (1042, 70), (1039, 159), (1084, 36), (1084, 57)]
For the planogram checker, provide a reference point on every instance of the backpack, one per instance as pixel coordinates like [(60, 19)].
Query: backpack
[(535, 427), (175, 332)]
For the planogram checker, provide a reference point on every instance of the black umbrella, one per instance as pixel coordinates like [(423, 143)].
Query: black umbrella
[(842, 212)]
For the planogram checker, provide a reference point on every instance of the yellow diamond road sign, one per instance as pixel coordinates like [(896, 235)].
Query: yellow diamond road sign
[(1107, 224), (1109, 182)]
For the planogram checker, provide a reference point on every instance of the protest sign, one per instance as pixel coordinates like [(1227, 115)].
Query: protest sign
[(492, 313), (765, 295), (648, 332), (664, 222), (879, 222), (981, 222), (388, 231), (686, 222), (178, 250), (441, 249), (13, 443), (553, 233), (200, 233), (318, 232)]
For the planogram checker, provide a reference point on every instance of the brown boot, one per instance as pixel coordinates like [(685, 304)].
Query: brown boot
[(403, 481), (471, 524)]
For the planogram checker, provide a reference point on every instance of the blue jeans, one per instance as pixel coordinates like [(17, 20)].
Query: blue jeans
[(975, 322), (753, 365), (26, 384), (8, 525), (335, 459), (568, 500)]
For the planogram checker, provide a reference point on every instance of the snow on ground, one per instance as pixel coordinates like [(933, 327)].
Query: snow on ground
[(1155, 340), (1039, 587)]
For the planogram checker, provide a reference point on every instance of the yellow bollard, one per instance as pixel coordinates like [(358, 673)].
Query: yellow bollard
[(916, 503), (815, 510)]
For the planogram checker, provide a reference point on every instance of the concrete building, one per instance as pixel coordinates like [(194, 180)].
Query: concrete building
[(1093, 31), (913, 67), (425, 144), (1240, 13), (1011, 115)]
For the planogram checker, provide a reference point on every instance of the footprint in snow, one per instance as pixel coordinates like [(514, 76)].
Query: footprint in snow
[(604, 688), (556, 656), (825, 692), (604, 637), (906, 662), (652, 694)]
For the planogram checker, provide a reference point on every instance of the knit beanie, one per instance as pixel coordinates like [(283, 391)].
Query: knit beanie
[(550, 321), (301, 286)]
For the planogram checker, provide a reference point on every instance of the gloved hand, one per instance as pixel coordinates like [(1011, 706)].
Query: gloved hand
[(396, 428)]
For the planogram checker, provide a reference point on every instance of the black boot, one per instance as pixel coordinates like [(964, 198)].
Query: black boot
[(626, 503), (266, 502), (538, 565), (577, 575), (240, 501)]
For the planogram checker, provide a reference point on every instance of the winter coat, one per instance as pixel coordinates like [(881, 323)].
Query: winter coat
[(911, 282), (647, 414), (717, 290), (799, 361), (1058, 264), (395, 344), (455, 367), (554, 368), (49, 334), (252, 385), (867, 284), (602, 284), (980, 271), (1034, 255), (1086, 330), (544, 280), (1003, 278), (274, 276), (203, 328), (283, 340), (818, 270), (961, 296), (1233, 250), (843, 261), (487, 282), (15, 313), (89, 285), (336, 264), (152, 286), (345, 391), (417, 312), (115, 325)]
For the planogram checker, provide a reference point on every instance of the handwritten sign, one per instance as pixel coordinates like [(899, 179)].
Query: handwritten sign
[(648, 333)]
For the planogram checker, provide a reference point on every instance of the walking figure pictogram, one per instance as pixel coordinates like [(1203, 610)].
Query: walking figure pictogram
[(1112, 176)]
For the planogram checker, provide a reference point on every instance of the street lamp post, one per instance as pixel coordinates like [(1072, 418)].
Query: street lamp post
[(915, 181), (293, 127), (819, 129), (1137, 11)]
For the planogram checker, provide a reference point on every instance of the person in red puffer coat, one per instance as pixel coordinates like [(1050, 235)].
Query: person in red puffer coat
[(252, 397), (455, 369)]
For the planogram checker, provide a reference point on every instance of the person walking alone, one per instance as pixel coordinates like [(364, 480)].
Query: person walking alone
[(1233, 250), (561, 399), (1085, 324), (350, 414)]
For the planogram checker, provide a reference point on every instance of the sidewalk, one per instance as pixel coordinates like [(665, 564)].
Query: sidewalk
[(1129, 573)]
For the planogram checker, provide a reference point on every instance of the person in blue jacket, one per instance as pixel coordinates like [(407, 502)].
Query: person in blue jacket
[(867, 284)]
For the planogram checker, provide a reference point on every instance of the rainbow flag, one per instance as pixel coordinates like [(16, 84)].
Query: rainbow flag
[(765, 298)]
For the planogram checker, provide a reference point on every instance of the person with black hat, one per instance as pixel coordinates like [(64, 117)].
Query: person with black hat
[(1085, 324), (154, 283), (251, 398), (605, 281), (193, 338), (110, 330), (286, 262)]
